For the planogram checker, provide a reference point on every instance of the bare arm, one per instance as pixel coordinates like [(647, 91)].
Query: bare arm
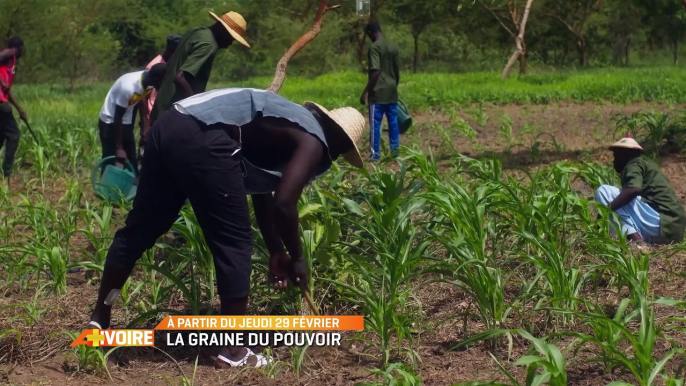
[(7, 53), (182, 84), (144, 111), (374, 76), (307, 156), (625, 197), (265, 214), (16, 104)]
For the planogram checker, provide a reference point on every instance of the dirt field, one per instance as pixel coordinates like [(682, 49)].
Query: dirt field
[(564, 131)]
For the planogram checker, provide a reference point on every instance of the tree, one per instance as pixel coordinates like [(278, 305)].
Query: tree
[(515, 24), (574, 15), (419, 15), (280, 75), (667, 18)]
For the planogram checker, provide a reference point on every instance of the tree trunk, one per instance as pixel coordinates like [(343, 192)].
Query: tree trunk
[(416, 52), (522, 61), (675, 49), (581, 48), (280, 74), (627, 52), (519, 43)]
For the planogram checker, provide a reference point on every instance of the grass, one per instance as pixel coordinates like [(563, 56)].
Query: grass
[(545, 287), (422, 91)]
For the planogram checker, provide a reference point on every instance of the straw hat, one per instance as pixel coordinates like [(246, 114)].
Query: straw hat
[(235, 24), (351, 123), (627, 142)]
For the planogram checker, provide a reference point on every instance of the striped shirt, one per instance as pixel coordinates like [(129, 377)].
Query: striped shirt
[(239, 107)]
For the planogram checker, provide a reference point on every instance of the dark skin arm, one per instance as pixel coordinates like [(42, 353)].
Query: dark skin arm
[(7, 53), (278, 260), (13, 101), (308, 154), (145, 122), (120, 154), (278, 216), (625, 197), (182, 84), (374, 76)]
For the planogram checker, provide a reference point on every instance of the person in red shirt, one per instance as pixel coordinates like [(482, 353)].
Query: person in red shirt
[(9, 131)]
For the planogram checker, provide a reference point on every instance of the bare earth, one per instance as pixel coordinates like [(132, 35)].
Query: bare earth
[(564, 131)]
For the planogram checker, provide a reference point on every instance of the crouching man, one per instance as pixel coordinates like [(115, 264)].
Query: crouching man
[(646, 204)]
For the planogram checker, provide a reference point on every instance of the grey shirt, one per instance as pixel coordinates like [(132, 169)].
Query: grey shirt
[(240, 106)]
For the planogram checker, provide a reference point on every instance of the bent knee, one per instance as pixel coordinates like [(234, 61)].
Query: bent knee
[(605, 194)]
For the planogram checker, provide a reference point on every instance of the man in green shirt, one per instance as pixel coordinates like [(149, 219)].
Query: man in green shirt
[(381, 91), (646, 204), (188, 70)]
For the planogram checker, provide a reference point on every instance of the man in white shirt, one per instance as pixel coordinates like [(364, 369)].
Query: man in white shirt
[(116, 115)]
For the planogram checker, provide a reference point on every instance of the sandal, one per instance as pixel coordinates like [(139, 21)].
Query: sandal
[(93, 325), (262, 360)]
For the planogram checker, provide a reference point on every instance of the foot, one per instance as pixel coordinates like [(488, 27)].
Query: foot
[(100, 319), (245, 358)]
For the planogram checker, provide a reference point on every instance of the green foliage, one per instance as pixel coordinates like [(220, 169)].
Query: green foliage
[(82, 40)]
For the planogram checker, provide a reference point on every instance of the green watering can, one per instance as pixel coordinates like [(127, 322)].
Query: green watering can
[(114, 182), (404, 119)]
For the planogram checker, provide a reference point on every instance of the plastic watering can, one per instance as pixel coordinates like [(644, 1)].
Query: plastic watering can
[(404, 119), (114, 184)]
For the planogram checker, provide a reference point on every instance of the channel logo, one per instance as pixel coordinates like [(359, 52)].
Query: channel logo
[(115, 338)]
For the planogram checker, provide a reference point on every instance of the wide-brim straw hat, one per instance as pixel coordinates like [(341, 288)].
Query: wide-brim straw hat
[(235, 24), (626, 143), (348, 121)]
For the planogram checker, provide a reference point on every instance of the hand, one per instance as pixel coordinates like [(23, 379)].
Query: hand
[(298, 273), (119, 157), (142, 142), (278, 270), (23, 116), (363, 98)]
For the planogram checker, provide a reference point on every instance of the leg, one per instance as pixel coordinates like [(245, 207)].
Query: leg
[(393, 127), (375, 117), (10, 130), (130, 146), (155, 208), (213, 182), (638, 219), (107, 141)]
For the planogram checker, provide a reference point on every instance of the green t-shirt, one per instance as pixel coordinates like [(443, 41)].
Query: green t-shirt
[(383, 56), (194, 55), (656, 192)]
